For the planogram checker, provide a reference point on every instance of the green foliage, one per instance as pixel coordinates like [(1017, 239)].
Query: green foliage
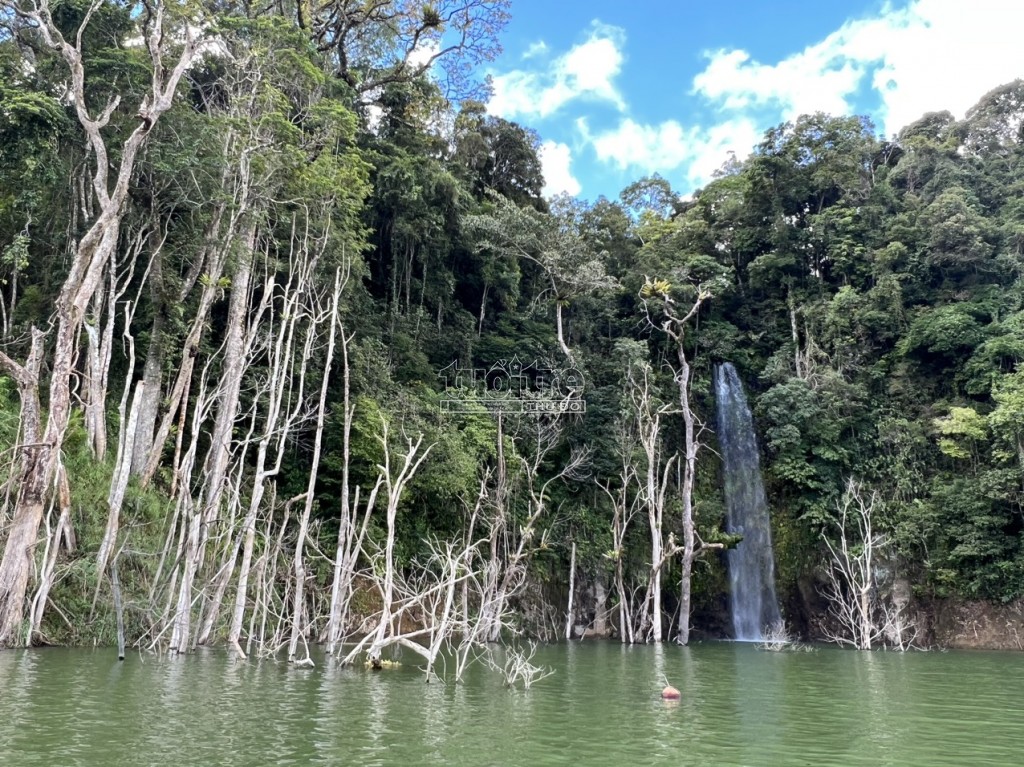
[(960, 429), (870, 291)]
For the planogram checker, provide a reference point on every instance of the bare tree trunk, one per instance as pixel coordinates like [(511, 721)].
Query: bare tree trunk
[(623, 509), (561, 333), (100, 347), (655, 523), (187, 518), (850, 585), (395, 480), (149, 407), (625, 607), (248, 533), (95, 393), (122, 470), (654, 491), (572, 588), (686, 493), (216, 247), (600, 627), (519, 545), (223, 577), (89, 260), (483, 312), (350, 539), (231, 543), (215, 469), (50, 558), (300, 569), (152, 370), (16, 564), (797, 354), (115, 585), (674, 326), (339, 589)]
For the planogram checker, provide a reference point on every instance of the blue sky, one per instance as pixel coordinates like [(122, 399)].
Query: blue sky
[(619, 90)]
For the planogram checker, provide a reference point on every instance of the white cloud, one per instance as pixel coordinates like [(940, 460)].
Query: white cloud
[(646, 147), (587, 70), (555, 160), (424, 52), (670, 146), (926, 55), (947, 56), (539, 48), (591, 66), (931, 55), (716, 144), (810, 81)]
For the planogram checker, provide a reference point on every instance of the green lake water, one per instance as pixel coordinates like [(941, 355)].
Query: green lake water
[(740, 706)]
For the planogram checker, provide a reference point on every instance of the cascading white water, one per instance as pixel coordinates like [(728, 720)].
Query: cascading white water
[(751, 564)]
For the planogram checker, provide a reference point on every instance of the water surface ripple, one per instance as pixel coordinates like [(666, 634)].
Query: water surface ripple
[(740, 706)]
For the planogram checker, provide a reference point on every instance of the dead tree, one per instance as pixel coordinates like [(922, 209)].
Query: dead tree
[(674, 323), (321, 414), (279, 407), (128, 420), (215, 469), (396, 476), (625, 504), (519, 668), (460, 596), (853, 544), (99, 334), (655, 475), (255, 182), (89, 258), (221, 233), (861, 615), (512, 546), (351, 532), (351, 539)]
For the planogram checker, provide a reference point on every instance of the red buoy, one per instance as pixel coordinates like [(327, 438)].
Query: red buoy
[(670, 693)]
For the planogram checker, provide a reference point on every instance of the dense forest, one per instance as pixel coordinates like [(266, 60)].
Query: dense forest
[(245, 249)]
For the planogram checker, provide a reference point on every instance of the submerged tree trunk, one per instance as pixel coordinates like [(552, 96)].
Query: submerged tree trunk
[(675, 326), (16, 564), (89, 261), (686, 493), (299, 565), (653, 492), (216, 465), (850, 585), (46, 577), (572, 589), (624, 503)]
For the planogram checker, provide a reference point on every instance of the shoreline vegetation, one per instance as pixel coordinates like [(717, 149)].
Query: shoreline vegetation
[(293, 349)]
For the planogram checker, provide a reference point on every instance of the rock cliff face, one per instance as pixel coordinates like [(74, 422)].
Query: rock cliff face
[(958, 624), (974, 625), (939, 622)]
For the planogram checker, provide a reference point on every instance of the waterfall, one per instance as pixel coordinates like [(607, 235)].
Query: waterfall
[(751, 563)]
